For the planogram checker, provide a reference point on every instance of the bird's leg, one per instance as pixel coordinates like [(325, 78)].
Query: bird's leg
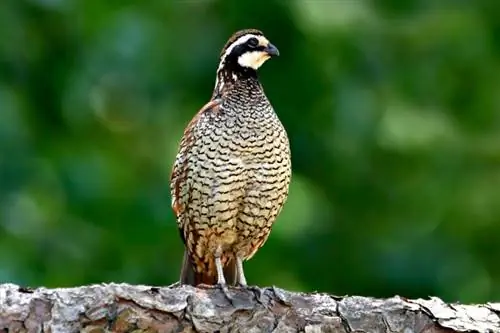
[(220, 272), (240, 274), (221, 280), (242, 281)]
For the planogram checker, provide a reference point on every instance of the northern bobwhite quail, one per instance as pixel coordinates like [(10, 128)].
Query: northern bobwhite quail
[(231, 175)]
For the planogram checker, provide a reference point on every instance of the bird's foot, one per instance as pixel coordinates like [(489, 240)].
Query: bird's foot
[(225, 290), (257, 292), (221, 286)]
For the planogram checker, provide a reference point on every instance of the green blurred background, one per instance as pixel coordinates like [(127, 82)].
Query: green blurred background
[(393, 113)]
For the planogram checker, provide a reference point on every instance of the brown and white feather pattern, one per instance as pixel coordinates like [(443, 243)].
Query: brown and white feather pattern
[(231, 175)]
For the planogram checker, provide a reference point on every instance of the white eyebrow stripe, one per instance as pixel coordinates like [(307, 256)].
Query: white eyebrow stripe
[(242, 40)]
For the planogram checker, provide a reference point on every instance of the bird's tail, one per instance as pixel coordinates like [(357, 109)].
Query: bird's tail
[(190, 277)]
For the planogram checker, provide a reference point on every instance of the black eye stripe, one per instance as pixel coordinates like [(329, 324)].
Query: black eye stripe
[(253, 42)]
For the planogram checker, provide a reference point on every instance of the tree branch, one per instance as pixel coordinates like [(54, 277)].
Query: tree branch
[(126, 308)]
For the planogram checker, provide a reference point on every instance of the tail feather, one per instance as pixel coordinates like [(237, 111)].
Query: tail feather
[(187, 271), (190, 277)]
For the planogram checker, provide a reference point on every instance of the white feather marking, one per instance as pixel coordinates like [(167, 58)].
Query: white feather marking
[(218, 84), (253, 59)]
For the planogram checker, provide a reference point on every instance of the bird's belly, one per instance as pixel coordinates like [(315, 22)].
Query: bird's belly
[(219, 191), (268, 177), (242, 190)]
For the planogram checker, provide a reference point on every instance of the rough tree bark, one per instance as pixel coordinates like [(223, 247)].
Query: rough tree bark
[(127, 308)]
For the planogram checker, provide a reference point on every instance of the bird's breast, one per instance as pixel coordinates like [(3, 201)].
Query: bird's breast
[(251, 131)]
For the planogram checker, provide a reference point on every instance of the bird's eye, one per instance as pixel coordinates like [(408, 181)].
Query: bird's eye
[(253, 42)]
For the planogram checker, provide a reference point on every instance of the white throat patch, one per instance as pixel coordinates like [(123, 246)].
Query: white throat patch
[(253, 59)]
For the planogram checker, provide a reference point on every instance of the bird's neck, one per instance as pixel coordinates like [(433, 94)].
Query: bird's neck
[(229, 78)]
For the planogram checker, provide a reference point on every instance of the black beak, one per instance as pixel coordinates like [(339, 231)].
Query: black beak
[(272, 50)]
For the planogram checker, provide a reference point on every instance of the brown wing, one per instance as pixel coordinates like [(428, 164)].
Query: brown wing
[(179, 187)]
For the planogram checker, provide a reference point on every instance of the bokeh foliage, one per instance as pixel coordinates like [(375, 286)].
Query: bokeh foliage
[(392, 108)]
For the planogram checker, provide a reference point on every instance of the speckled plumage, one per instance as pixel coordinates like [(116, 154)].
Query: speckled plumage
[(231, 175)]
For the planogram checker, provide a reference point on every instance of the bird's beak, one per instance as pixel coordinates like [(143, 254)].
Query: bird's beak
[(272, 50)]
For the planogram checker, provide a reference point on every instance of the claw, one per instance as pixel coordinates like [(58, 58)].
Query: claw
[(222, 287), (259, 294)]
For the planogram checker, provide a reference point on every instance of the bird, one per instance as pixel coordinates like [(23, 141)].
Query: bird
[(230, 178)]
